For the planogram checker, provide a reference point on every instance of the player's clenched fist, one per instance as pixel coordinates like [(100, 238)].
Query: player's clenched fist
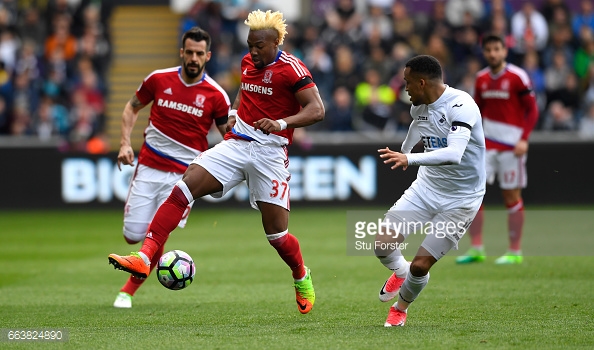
[(397, 158), (267, 125)]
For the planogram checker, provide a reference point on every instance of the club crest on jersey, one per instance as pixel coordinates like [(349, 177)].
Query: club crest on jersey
[(267, 77), (442, 119), (505, 84), (199, 100)]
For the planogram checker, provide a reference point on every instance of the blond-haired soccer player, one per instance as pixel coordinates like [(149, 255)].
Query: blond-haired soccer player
[(277, 95), (442, 202), (176, 133)]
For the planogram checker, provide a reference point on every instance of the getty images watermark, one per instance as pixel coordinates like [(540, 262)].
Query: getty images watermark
[(561, 232), (364, 227)]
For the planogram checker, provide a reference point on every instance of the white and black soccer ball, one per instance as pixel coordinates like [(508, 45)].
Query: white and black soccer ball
[(176, 270)]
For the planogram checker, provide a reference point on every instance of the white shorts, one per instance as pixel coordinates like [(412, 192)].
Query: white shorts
[(509, 169), (149, 188), (263, 167), (444, 220)]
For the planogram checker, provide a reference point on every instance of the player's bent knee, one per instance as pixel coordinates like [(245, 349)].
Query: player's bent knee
[(134, 232), (420, 266)]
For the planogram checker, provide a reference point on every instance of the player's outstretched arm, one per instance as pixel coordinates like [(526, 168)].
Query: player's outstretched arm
[(129, 117)]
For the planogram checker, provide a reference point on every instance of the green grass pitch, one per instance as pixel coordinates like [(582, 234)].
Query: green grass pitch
[(55, 275)]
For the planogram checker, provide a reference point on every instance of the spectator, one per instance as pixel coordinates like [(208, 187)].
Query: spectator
[(377, 21), (549, 7), (558, 117), (583, 18), (339, 115), (561, 40), (530, 29), (404, 25), (437, 22), (343, 26), (345, 69), (31, 26), (457, 10), (537, 77), (374, 101), (557, 74), (584, 55), (61, 39), (51, 119), (321, 67)]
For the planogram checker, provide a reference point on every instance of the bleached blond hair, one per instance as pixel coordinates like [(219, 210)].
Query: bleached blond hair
[(258, 20)]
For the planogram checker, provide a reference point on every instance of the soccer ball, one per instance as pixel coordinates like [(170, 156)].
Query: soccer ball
[(176, 270)]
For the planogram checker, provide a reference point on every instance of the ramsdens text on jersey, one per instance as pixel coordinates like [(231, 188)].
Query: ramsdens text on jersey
[(431, 142), (501, 94), (180, 107), (256, 88)]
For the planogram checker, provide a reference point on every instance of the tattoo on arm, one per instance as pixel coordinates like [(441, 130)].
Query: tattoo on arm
[(135, 103)]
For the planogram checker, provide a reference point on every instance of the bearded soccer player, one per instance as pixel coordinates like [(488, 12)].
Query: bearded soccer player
[(186, 103), (504, 94), (277, 95), (449, 188)]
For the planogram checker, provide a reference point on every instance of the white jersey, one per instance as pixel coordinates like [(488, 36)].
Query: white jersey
[(450, 128)]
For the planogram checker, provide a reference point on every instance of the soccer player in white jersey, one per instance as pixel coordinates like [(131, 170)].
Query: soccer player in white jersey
[(277, 95), (443, 200), (186, 103), (508, 106)]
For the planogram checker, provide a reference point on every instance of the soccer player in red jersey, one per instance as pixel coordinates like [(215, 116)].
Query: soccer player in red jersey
[(508, 106), (186, 102), (277, 95)]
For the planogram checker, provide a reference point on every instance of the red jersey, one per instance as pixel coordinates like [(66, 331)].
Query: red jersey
[(180, 118), (269, 92), (507, 104)]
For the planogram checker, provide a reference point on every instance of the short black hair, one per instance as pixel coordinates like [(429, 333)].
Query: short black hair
[(425, 65), (492, 38), (197, 34)]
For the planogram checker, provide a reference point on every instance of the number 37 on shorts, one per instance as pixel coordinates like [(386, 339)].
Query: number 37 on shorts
[(279, 189)]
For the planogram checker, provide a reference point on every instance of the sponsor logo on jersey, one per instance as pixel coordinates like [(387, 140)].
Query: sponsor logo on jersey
[(256, 88), (432, 142), (168, 91), (267, 77), (422, 117), (457, 105), (180, 107), (500, 94), (245, 71), (199, 100)]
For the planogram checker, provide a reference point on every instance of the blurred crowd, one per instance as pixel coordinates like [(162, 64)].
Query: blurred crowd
[(55, 54), (356, 50)]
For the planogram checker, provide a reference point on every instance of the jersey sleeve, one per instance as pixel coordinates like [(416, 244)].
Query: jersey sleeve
[(146, 90), (298, 76), (221, 111), (464, 112)]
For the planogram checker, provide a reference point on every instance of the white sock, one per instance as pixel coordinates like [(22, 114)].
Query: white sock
[(145, 258), (396, 262), (412, 287)]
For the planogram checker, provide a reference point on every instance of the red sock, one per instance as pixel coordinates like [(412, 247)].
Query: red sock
[(287, 247), (166, 220), (515, 223), (476, 228), (134, 283)]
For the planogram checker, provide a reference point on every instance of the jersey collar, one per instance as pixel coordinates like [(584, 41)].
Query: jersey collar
[(182, 80)]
